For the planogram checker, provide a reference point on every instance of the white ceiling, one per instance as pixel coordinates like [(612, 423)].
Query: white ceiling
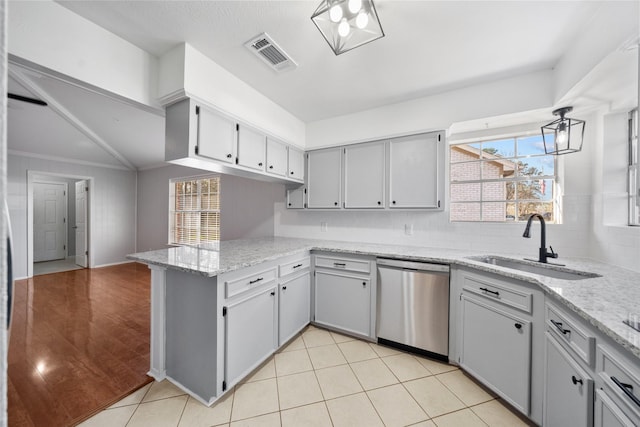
[(429, 47)]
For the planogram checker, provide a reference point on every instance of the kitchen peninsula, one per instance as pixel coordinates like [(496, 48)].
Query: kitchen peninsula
[(203, 299)]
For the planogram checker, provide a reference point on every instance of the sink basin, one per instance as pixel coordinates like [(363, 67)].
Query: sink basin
[(548, 270)]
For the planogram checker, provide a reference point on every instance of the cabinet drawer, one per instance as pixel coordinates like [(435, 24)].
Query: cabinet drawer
[(293, 267), (581, 342), (360, 266), (516, 298), (621, 379), (243, 284)]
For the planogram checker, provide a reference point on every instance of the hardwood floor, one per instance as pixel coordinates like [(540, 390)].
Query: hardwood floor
[(79, 342)]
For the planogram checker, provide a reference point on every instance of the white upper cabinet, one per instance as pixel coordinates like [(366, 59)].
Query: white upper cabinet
[(276, 157), (201, 137), (364, 175), (217, 136), (324, 179), (296, 164), (414, 175), (251, 148)]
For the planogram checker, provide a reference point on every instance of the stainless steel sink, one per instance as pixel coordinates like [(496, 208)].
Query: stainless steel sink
[(548, 270)]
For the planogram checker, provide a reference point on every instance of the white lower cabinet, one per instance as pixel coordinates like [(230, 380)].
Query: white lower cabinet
[(250, 333), (295, 306), (568, 392), (496, 348), (343, 302), (608, 414)]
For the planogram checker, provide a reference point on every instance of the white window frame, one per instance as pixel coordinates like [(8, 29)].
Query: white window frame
[(174, 212), (555, 178), (633, 188)]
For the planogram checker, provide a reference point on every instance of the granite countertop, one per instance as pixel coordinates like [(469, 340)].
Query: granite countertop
[(603, 301)]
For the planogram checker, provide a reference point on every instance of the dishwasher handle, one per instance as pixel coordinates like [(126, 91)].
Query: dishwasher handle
[(412, 265)]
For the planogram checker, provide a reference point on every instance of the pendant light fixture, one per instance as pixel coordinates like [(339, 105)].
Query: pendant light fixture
[(564, 135), (347, 24)]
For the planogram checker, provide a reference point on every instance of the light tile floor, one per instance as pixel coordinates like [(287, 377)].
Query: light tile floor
[(322, 378)]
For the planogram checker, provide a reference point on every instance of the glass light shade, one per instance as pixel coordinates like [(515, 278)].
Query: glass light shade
[(564, 135), (362, 23)]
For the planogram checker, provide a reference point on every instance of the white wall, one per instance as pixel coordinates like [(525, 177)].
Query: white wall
[(246, 205), (113, 202), (51, 36), (185, 68), (613, 241), (513, 95)]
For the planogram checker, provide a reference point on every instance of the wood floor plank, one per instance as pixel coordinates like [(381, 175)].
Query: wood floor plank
[(79, 342)]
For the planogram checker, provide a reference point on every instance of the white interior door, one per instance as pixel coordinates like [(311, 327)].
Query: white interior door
[(49, 222), (81, 223)]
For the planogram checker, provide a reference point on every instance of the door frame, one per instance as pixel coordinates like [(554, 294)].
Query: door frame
[(31, 177), (66, 210)]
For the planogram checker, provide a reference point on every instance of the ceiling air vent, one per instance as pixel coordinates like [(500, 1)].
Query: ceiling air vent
[(269, 52)]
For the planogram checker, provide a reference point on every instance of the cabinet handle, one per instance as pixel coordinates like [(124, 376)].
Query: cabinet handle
[(273, 293), (291, 172), (297, 266), (559, 327), (574, 380), (379, 202), (284, 288), (339, 264), (335, 203), (364, 284), (260, 164), (251, 282), (496, 293), (289, 204), (229, 156), (518, 326), (393, 203), (627, 389), (270, 166)]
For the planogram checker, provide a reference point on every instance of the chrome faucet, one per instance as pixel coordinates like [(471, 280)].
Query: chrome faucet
[(543, 254)]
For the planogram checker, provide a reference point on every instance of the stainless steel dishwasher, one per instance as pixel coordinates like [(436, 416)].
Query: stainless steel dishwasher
[(413, 306)]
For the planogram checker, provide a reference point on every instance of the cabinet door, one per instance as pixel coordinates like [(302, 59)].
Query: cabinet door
[(324, 183), (343, 302), (276, 157), (413, 172), (568, 393), (217, 136), (251, 148), (364, 172), (295, 306), (608, 414), (250, 333), (295, 198), (296, 164), (496, 348)]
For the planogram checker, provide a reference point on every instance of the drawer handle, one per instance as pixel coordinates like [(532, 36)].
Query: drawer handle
[(297, 266), (339, 264), (628, 390), (559, 327), (496, 293), (251, 282), (575, 381)]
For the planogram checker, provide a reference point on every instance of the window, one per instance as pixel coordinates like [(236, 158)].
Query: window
[(634, 172), (194, 210), (502, 180)]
